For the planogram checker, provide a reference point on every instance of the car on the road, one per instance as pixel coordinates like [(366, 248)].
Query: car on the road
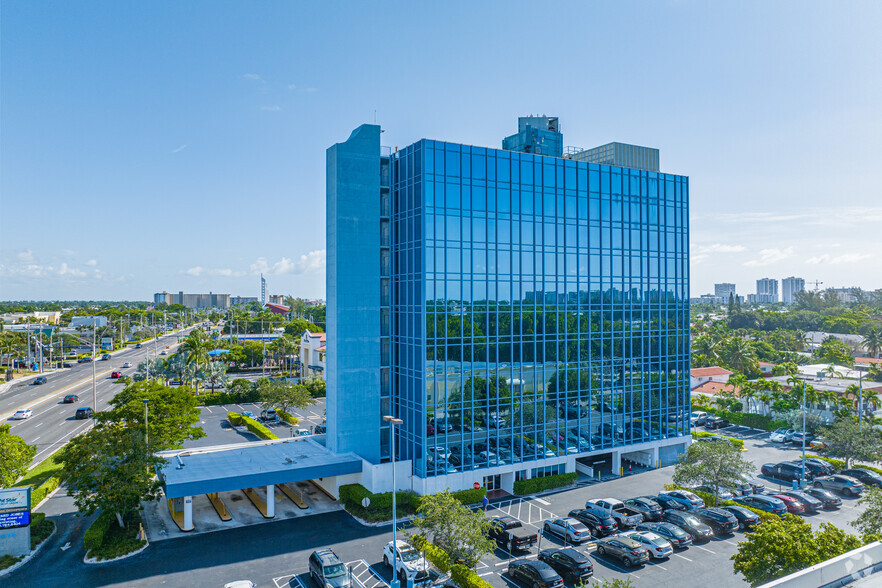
[(689, 523), (410, 564), (657, 546), (827, 498), (39, 380), (688, 499), (809, 503), (568, 528), (781, 435), (868, 477), (84, 412), (845, 485), (716, 422), (600, 526), (630, 552), (722, 522), (163, 352), (785, 471), (747, 519), (22, 413), (70, 399), (327, 570), (568, 563), (105, 357), (84, 360), (115, 374), (763, 502), (138, 346), (676, 536), (534, 574), (798, 437), (668, 503), (647, 506), (66, 365), (698, 418), (127, 364)]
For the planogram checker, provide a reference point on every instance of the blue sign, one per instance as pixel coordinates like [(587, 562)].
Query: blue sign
[(20, 518)]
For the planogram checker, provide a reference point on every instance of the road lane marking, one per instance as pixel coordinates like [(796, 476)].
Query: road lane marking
[(683, 556)]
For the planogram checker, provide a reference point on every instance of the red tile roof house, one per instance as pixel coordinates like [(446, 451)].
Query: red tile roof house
[(710, 389), (766, 368), (698, 376)]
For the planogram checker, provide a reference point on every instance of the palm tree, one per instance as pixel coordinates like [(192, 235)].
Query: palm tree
[(196, 347), (873, 341), (739, 355), (215, 374)]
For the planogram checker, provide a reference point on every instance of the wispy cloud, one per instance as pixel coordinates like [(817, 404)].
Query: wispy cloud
[(292, 87), (719, 248), (222, 272), (179, 149), (828, 259), (92, 262), (770, 256), (273, 108), (309, 263), (252, 76)]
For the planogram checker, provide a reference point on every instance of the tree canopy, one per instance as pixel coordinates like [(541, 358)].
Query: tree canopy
[(718, 464), (849, 440), (283, 395), (15, 457), (457, 529)]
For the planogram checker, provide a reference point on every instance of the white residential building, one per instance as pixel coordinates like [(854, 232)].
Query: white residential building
[(312, 355)]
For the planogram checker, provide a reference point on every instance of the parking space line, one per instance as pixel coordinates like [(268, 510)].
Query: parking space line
[(683, 556), (486, 574), (660, 567), (705, 549), (539, 500)]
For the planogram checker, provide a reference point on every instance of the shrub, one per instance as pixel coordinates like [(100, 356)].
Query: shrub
[(470, 496), (287, 417), (94, 536), (41, 528), (466, 577), (434, 554), (747, 419), (44, 489), (115, 540), (406, 502), (258, 429), (709, 499), (236, 419), (534, 485), (701, 434), (8, 560)]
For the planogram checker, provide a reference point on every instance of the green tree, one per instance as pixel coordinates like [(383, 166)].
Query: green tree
[(873, 341), (780, 547), (110, 468), (283, 395), (317, 388), (739, 355), (869, 522), (172, 419), (834, 351), (813, 421), (215, 374), (16, 457), (849, 440), (461, 532), (296, 327), (717, 464)]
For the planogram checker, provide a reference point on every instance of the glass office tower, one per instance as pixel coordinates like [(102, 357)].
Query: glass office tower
[(539, 311)]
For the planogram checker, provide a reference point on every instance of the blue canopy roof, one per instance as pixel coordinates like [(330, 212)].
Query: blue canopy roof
[(216, 352)]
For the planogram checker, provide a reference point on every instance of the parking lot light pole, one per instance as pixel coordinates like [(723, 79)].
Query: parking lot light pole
[(146, 431), (802, 483), (395, 582)]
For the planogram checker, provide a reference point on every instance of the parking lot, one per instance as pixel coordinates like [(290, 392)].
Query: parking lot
[(218, 431)]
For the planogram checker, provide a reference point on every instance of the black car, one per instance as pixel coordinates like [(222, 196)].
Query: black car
[(84, 412), (715, 422), (66, 365), (668, 503), (785, 471), (599, 527), (70, 399), (678, 538), (721, 521), (39, 380), (534, 574), (648, 507), (827, 498), (689, 523), (569, 563), (765, 503), (868, 477), (747, 519), (809, 503), (816, 469)]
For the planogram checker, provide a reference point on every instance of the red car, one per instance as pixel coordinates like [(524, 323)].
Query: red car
[(430, 429), (115, 374), (792, 504)]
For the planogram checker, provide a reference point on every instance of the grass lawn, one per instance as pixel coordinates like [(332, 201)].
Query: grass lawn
[(42, 472)]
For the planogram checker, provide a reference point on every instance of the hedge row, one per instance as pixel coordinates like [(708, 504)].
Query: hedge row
[(94, 537), (464, 576), (41, 528), (406, 502), (115, 541), (258, 429), (287, 417), (534, 485), (739, 443), (43, 490), (236, 419), (839, 464), (746, 419), (709, 500)]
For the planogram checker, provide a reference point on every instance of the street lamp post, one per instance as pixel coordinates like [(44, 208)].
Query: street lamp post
[(861, 398), (146, 432), (94, 389), (802, 477), (396, 583)]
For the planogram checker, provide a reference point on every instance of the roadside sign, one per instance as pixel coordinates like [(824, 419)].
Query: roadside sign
[(365, 502)]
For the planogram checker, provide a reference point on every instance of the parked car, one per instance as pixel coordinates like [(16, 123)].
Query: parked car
[(115, 374), (785, 471), (410, 564), (657, 546), (764, 503), (600, 526), (534, 574), (747, 519), (647, 506), (721, 492), (327, 570), (22, 413), (798, 436), (747, 485), (626, 517), (269, 415), (827, 498), (676, 536), (568, 528), (720, 521), (689, 523), (808, 502), (868, 477), (70, 399), (568, 563), (40, 380), (716, 422), (715, 439), (818, 444), (816, 466), (793, 505), (249, 414), (689, 500), (84, 412), (668, 503), (630, 552), (509, 533), (782, 435), (845, 485), (698, 418)]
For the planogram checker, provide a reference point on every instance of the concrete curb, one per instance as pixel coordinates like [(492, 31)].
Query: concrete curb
[(28, 557), (48, 496)]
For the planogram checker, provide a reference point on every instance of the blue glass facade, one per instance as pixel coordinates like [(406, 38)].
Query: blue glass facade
[(539, 306)]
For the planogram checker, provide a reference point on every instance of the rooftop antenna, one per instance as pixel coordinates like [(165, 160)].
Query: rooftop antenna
[(816, 283), (375, 116)]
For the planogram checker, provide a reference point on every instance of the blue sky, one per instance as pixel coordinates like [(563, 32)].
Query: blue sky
[(180, 145)]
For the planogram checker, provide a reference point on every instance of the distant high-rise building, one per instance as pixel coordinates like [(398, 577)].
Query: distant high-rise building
[(262, 290), (536, 134), (237, 300), (193, 300), (277, 299), (621, 154), (767, 290), (790, 287), (723, 290)]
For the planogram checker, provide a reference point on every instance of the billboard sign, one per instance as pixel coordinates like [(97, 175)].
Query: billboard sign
[(14, 498), (107, 343), (18, 518)]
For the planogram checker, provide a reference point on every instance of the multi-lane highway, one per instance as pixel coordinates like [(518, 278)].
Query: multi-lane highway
[(53, 423)]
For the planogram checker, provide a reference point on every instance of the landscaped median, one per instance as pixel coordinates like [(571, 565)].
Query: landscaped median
[(106, 540), (237, 420), (407, 503), (739, 443)]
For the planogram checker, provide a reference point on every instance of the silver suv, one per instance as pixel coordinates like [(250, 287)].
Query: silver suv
[(327, 571), (845, 485)]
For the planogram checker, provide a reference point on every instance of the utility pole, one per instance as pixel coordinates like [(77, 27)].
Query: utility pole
[(94, 389), (146, 430)]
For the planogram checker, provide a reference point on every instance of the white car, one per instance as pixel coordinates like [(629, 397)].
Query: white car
[(781, 435), (163, 352), (408, 562), (22, 413), (127, 364), (568, 528), (658, 546)]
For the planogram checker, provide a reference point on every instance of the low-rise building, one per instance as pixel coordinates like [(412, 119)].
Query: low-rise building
[(88, 321), (313, 347), (698, 376)]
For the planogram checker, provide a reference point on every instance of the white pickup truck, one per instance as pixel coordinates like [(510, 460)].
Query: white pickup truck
[(625, 516)]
